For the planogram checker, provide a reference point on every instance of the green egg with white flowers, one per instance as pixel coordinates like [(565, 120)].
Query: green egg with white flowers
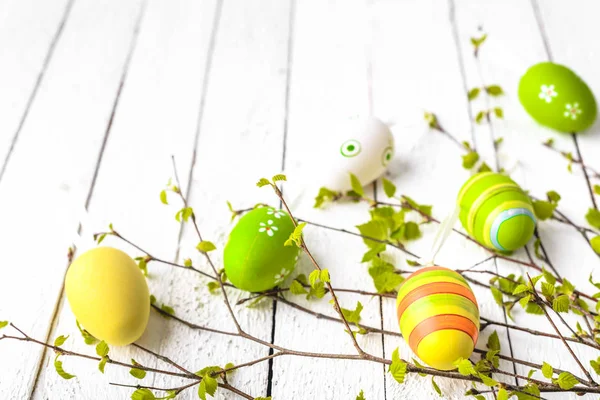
[(496, 212), (255, 256), (556, 97)]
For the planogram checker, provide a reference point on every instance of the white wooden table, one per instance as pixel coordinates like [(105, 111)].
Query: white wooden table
[(95, 96)]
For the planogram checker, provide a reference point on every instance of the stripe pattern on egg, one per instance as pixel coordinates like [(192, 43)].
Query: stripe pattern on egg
[(438, 316), (496, 211)]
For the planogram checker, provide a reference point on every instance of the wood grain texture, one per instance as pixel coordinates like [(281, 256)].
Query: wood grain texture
[(21, 72), (50, 173), (240, 139), (506, 55), (237, 90)]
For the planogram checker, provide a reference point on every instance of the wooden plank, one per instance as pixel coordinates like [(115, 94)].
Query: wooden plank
[(148, 128), (329, 85), (565, 30), (427, 166), (240, 139), (504, 57), (49, 176), (21, 72)]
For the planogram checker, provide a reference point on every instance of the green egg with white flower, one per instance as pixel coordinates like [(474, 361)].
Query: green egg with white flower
[(556, 97), (255, 256)]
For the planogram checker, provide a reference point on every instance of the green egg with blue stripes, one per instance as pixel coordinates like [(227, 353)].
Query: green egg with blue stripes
[(496, 212)]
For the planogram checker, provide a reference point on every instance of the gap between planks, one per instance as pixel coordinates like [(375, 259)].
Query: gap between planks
[(60, 298)]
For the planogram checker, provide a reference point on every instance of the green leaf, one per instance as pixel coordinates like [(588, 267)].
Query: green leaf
[(476, 42), (279, 177), (87, 337), (297, 288), (479, 117), (324, 275), (143, 394), (208, 385), (3, 324), (163, 197), (167, 309), (205, 246), (493, 342), (361, 395), (325, 195), (375, 229), (520, 289), (296, 236), (353, 316), (263, 398), (524, 301), (384, 277), (388, 188), (102, 364), (548, 277), (567, 287), (494, 90), (318, 291), (487, 380), (187, 262), (566, 380), (436, 387), (59, 369), (597, 189), (100, 238), (543, 209), (397, 367), (498, 142), (484, 168), (502, 394), (102, 349), (314, 277), (263, 182), (533, 308), (372, 253), (152, 299), (547, 370), (492, 356), (593, 218), (473, 93), (143, 265), (595, 243), (470, 159), (561, 303), (498, 297), (596, 365), (548, 289), (465, 367), (356, 185), (553, 196), (137, 373), (412, 231), (498, 112), (59, 341)]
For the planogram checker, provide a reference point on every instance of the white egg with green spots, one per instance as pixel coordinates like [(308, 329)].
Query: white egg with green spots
[(255, 256), (361, 146)]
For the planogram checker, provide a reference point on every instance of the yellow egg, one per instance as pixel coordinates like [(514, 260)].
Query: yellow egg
[(108, 295)]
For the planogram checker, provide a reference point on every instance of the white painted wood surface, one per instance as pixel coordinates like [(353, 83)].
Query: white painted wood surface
[(95, 97)]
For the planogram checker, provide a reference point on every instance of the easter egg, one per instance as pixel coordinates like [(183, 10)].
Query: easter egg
[(361, 146), (496, 212), (438, 316), (556, 97), (255, 256), (108, 295)]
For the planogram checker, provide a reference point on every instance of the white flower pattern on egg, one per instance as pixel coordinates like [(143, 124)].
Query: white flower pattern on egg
[(281, 275), (269, 228), (547, 93), (276, 213), (572, 111)]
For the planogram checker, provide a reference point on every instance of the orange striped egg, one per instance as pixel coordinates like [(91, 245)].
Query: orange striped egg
[(438, 316)]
